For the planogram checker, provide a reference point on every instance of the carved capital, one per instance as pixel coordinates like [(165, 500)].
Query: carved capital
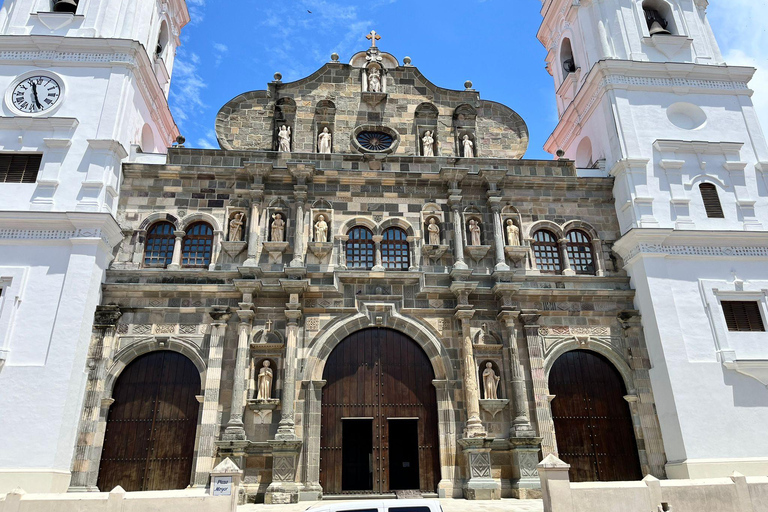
[(106, 316), (529, 317)]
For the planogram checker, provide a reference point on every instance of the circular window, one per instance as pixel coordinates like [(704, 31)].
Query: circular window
[(686, 116), (375, 141)]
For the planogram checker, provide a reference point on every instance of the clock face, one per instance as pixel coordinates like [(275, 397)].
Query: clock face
[(36, 94)]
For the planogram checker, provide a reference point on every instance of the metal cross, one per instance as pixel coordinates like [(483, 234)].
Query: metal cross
[(373, 37)]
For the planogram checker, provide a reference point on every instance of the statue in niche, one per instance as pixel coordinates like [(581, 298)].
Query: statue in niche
[(513, 233), (429, 144), (236, 228), (468, 145), (434, 231), (321, 229), (474, 232), (284, 138), (324, 141), (264, 388), (374, 79), (490, 382), (483, 339), (278, 228)]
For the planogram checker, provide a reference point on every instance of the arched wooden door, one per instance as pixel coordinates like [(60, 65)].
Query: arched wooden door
[(150, 438), (593, 424), (379, 416)]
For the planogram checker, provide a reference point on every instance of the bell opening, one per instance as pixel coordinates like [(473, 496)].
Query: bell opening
[(69, 6)]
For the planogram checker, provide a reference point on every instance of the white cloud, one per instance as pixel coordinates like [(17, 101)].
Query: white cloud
[(207, 142), (740, 28), (219, 50), (196, 11), (187, 101)]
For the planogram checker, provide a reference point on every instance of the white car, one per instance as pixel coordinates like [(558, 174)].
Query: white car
[(379, 506)]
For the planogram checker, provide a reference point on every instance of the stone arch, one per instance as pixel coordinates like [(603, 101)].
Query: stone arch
[(598, 347), (201, 217), (398, 222), (583, 226), (322, 204), (358, 221), (544, 224), (125, 356), (332, 334), (707, 178), (152, 218)]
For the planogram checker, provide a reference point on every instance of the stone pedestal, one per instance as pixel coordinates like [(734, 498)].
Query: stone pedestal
[(525, 474), (285, 459), (480, 485)]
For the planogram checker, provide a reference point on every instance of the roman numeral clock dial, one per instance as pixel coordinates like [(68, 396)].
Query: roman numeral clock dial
[(35, 94)]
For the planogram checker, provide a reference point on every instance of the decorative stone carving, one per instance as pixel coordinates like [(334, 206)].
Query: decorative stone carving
[(428, 146), (236, 227), (434, 232), (324, 141), (493, 407), (513, 233), (284, 139), (490, 382), (474, 232), (374, 79), (278, 228), (468, 147), (264, 391), (321, 229)]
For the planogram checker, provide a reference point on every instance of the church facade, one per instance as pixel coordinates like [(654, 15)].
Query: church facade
[(366, 290)]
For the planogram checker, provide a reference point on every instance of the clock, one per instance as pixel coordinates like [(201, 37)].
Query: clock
[(35, 94)]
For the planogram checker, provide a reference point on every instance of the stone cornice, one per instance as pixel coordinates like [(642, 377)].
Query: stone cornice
[(607, 75), (43, 227), (91, 52), (691, 244)]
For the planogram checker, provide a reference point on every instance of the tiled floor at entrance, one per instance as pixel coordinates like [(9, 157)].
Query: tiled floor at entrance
[(449, 505)]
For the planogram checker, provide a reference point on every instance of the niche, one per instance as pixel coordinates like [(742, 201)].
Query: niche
[(465, 124), (425, 128), (325, 118), (489, 380), (285, 115), (659, 18)]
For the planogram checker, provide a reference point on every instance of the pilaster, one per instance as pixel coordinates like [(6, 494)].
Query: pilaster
[(546, 425)]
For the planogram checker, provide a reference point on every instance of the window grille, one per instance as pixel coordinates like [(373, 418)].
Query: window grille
[(394, 250), (19, 168), (158, 249), (197, 246), (360, 248), (547, 252), (743, 315), (580, 252)]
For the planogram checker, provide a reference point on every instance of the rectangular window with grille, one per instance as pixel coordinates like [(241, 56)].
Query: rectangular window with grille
[(16, 168), (743, 315), (711, 201)]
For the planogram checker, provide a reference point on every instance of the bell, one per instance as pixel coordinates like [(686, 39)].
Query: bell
[(656, 28), (65, 6)]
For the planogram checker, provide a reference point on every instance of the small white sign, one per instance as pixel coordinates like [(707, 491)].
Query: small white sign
[(222, 486)]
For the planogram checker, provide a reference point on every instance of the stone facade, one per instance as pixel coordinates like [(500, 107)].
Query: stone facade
[(292, 301)]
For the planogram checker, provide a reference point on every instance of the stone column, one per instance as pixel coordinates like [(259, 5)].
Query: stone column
[(532, 255), (498, 239), (218, 237), (378, 265), (597, 254), (298, 236), (209, 421), (176, 260), (412, 253), (529, 319), (235, 430), (458, 238), (314, 392), (453, 176), (253, 236), (287, 427), (567, 269), (464, 314), (480, 485), (521, 424), (342, 253), (257, 171)]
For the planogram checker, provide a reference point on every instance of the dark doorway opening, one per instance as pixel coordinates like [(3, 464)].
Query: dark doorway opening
[(357, 454), (403, 454)]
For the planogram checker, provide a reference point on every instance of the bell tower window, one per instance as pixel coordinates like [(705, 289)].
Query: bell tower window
[(658, 17), (566, 57), (69, 6)]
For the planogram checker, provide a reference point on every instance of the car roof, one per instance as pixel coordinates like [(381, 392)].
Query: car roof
[(363, 504)]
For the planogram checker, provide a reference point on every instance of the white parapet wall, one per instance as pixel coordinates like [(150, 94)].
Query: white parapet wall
[(734, 494)]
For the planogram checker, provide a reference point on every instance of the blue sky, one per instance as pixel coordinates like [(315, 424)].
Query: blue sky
[(234, 46)]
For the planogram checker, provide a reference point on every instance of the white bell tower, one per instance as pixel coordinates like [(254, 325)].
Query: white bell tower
[(644, 97), (84, 88)]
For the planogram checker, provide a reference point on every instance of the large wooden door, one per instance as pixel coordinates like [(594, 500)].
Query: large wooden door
[(150, 436), (379, 385), (593, 425)]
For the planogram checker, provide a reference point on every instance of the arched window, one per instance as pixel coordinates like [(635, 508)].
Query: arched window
[(162, 41), (158, 249), (360, 248), (566, 57), (547, 252), (711, 201), (580, 252), (658, 17), (394, 249), (197, 246), (65, 6)]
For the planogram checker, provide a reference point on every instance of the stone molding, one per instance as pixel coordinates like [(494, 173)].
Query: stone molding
[(693, 250)]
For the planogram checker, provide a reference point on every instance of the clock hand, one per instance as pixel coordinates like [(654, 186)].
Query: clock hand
[(34, 93)]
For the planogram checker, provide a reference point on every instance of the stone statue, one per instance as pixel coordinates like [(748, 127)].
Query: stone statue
[(513, 233), (374, 80), (469, 151), (236, 228), (324, 141), (474, 232), (490, 382), (434, 232), (284, 137), (429, 144), (278, 228), (321, 229), (264, 391)]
